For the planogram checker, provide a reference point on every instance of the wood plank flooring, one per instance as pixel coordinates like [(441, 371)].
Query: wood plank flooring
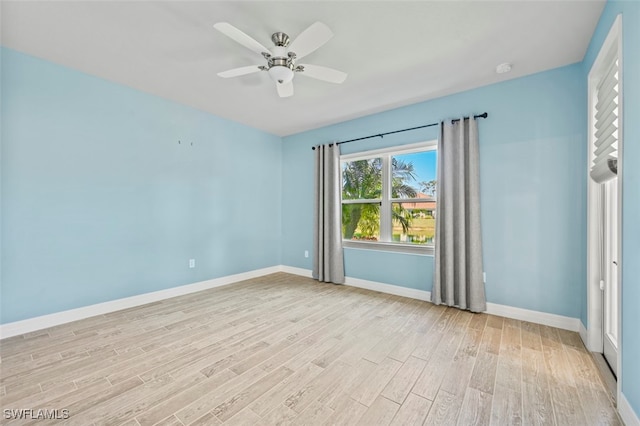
[(286, 350)]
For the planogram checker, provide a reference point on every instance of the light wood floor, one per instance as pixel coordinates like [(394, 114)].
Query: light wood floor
[(283, 349)]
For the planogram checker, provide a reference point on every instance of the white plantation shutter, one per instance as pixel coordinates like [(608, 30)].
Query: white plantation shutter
[(605, 146)]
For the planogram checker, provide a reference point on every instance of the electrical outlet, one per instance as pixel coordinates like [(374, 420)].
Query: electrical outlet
[(192, 263), (484, 277), (306, 253)]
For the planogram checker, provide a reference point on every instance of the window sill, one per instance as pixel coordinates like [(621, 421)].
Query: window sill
[(390, 247)]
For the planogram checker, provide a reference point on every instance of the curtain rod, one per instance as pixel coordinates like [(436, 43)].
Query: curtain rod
[(483, 115)]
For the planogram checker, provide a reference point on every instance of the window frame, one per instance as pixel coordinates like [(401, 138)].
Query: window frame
[(386, 202)]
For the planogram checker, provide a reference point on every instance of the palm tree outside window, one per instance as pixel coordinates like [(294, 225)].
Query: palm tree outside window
[(389, 195)]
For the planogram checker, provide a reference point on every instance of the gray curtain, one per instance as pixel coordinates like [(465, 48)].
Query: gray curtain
[(328, 261), (458, 249)]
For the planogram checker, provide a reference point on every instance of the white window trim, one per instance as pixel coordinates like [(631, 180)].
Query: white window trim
[(386, 201)]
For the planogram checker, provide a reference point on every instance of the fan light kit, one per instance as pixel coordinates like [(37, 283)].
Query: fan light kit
[(281, 59)]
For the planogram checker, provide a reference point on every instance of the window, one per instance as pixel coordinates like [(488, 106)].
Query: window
[(389, 198)]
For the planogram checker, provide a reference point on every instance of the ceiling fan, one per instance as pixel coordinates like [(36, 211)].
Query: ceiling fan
[(281, 59)]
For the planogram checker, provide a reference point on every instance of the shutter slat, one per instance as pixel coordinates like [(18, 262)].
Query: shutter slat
[(603, 116), (612, 149), (604, 152), (608, 76), (608, 128), (605, 101), (607, 86), (609, 140)]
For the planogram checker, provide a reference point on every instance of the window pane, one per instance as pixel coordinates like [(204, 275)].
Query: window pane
[(361, 222), (414, 222), (414, 175), (362, 179)]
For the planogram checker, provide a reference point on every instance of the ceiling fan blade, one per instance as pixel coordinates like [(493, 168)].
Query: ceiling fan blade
[(323, 73), (310, 39), (240, 71), (240, 37), (285, 90)]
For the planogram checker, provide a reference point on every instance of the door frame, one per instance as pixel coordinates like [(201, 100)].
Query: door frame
[(594, 333), (611, 273)]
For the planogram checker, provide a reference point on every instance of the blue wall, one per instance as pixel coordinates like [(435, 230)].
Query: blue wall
[(630, 11), (100, 201), (533, 195)]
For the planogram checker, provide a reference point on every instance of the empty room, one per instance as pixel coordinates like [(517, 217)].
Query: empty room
[(320, 212)]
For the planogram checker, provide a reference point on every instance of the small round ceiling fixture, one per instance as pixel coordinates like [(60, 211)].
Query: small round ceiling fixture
[(503, 68)]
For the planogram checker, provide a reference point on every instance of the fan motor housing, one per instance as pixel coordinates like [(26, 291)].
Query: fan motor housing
[(281, 58), (281, 62)]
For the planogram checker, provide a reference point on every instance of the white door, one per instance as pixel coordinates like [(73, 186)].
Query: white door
[(610, 296)]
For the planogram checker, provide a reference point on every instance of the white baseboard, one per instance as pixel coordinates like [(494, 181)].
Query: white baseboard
[(584, 335), (46, 321), (629, 417), (389, 289), (591, 342), (296, 271), (544, 318), (368, 285)]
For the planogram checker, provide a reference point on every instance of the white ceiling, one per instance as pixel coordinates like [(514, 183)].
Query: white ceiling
[(396, 53)]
